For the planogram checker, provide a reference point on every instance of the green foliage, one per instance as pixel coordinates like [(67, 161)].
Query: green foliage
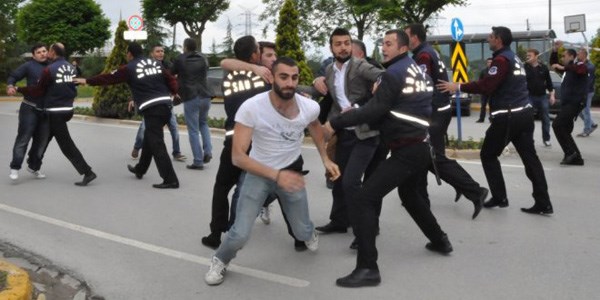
[(403, 12), (8, 37), (79, 24), (288, 40), (3, 276), (92, 64), (470, 143), (227, 45), (156, 33), (594, 57), (111, 101), (192, 14)]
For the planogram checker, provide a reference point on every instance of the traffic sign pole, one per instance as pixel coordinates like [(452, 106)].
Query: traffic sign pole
[(459, 66)]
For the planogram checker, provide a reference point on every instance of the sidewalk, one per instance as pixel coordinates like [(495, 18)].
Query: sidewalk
[(34, 277)]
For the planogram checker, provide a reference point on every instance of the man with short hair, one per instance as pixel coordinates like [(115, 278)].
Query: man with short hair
[(512, 122), (191, 69), (400, 108), (30, 114), (56, 85), (237, 88), (274, 122), (538, 82), (588, 124), (349, 81), (158, 53), (447, 169), (573, 92), (152, 87)]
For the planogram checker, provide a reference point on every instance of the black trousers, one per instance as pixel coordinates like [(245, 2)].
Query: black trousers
[(484, 103), (405, 170), (516, 128), (155, 118), (448, 169), (353, 156), (563, 127), (57, 126)]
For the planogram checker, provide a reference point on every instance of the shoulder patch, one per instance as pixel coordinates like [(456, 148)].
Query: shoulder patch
[(493, 70)]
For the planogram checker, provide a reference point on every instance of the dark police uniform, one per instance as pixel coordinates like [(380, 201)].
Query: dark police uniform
[(238, 86), (151, 87), (400, 110), (573, 93), (448, 169), (58, 90), (511, 121)]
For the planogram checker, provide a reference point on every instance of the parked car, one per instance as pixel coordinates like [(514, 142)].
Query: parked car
[(465, 100), (214, 79)]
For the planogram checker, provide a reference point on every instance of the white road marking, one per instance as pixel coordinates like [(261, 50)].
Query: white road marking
[(276, 278)]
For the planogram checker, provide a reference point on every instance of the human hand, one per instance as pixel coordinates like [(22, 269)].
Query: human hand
[(77, 80), (319, 84), (445, 86), (290, 181), (333, 171), (11, 90), (264, 73), (130, 106)]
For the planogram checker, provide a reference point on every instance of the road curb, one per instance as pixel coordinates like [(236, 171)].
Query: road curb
[(18, 283)]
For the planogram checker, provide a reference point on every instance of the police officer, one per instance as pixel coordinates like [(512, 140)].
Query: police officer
[(448, 169), (152, 87), (57, 87), (511, 121), (400, 109)]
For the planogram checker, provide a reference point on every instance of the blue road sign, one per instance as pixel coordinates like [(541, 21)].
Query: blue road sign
[(456, 27)]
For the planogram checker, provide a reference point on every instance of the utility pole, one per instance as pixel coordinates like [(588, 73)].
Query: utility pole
[(549, 14)]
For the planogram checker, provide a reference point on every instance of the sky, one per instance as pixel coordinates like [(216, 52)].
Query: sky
[(477, 17)]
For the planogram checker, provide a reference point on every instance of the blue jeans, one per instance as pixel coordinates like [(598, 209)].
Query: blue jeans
[(586, 115), (30, 123), (541, 104), (253, 193), (196, 115), (172, 125)]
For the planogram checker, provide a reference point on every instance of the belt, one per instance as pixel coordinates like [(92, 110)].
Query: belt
[(510, 110)]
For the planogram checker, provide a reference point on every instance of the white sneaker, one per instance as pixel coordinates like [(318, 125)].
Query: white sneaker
[(38, 174), (313, 243), (265, 215), (547, 144), (215, 275), (14, 174)]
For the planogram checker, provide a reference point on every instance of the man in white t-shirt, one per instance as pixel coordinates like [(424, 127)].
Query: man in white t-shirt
[(274, 123)]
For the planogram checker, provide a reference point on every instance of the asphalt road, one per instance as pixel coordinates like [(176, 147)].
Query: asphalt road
[(130, 241)]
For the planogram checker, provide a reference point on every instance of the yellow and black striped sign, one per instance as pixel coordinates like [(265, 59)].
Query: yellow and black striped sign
[(459, 62)]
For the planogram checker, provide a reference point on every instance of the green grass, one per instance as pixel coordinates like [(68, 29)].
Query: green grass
[(453, 143), (3, 276)]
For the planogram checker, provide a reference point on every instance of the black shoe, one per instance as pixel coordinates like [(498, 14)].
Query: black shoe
[(493, 203), (332, 228), (354, 244), (300, 246), (537, 210), (480, 121), (87, 179), (132, 170), (443, 246), (360, 277), (207, 158), (213, 240), (166, 185), (478, 203), (573, 159), (195, 167)]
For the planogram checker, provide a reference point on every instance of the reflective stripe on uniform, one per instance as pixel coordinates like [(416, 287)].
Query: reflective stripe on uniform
[(154, 100), (443, 108), (503, 111), (59, 109), (410, 118)]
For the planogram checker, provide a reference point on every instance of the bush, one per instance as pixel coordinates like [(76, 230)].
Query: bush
[(470, 143)]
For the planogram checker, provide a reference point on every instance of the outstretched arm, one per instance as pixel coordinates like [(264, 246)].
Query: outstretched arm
[(317, 134)]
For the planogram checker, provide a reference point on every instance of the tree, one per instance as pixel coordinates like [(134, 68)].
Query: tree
[(287, 41), (8, 38), (227, 44), (319, 17), (594, 55), (79, 24), (192, 14), (111, 101)]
